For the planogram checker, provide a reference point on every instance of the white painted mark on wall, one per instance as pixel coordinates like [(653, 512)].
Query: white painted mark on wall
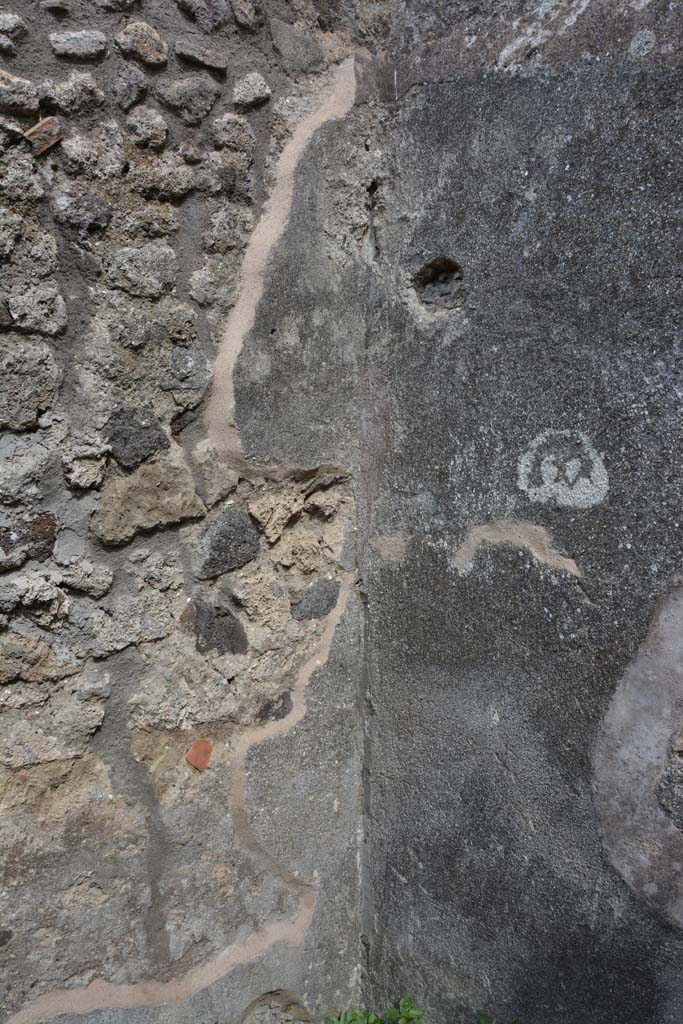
[(562, 467)]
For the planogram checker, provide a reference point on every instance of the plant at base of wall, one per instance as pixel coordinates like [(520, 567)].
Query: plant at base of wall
[(403, 1013)]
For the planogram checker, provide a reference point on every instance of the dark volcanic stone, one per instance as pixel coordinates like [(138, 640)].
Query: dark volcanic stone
[(197, 52), (228, 543), (134, 434), (129, 86), (217, 628), (318, 601), (86, 213), (28, 538), (209, 14)]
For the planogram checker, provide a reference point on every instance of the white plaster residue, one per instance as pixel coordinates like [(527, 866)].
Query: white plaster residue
[(553, 18), (561, 467), (220, 415)]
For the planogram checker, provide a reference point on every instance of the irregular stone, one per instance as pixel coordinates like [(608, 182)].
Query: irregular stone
[(298, 548), (134, 435), (75, 95), (215, 480), (83, 463), (10, 230), (191, 97), (147, 127), (28, 383), (27, 538), (31, 660), (199, 754), (37, 595), (84, 45), (227, 543), (226, 172), (166, 177), (194, 151), (149, 220), (43, 135), (215, 282), (58, 7), (209, 14), (115, 5), (17, 95), (86, 213), (25, 460), (7, 47), (41, 309), (300, 51), (140, 40), (156, 494), (148, 271), (12, 25), (251, 91), (274, 508), (19, 179), (87, 578), (230, 131), (129, 86), (247, 13), (192, 49), (216, 627), (228, 229), (98, 156), (57, 731), (318, 600)]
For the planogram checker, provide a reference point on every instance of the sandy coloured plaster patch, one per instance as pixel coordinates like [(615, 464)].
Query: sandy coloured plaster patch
[(510, 533)]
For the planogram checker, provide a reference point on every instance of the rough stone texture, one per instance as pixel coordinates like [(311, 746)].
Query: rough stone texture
[(134, 435), (251, 91), (197, 52), (28, 382), (147, 127), (318, 600), (191, 97), (156, 494), (227, 543), (79, 45), (138, 39), (414, 587)]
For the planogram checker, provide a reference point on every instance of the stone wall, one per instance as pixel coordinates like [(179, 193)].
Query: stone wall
[(339, 510), (179, 783)]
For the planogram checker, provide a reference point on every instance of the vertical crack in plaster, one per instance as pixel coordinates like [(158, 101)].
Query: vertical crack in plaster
[(220, 414), (105, 995), (536, 539)]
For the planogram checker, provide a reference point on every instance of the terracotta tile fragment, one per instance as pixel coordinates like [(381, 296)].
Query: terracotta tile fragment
[(199, 753)]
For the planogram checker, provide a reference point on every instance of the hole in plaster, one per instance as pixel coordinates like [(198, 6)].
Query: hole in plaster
[(439, 284)]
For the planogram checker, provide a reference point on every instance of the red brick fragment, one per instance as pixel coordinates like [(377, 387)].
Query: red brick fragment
[(44, 134), (199, 753)]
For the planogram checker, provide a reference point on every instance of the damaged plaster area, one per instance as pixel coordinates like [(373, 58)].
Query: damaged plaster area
[(533, 538)]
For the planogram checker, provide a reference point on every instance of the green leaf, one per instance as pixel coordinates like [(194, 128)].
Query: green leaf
[(405, 1004), (392, 1014)]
